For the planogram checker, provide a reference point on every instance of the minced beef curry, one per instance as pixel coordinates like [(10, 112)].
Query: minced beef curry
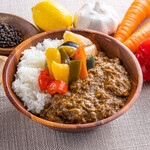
[(102, 94)]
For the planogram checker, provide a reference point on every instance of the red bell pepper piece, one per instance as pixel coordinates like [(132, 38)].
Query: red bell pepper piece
[(44, 79), (45, 72), (143, 56), (57, 86), (80, 55)]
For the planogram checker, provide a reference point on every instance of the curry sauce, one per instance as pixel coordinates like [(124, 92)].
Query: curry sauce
[(102, 94)]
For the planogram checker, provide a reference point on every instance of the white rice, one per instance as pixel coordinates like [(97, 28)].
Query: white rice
[(26, 78)]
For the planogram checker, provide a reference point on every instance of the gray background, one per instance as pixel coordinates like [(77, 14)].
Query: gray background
[(129, 132)]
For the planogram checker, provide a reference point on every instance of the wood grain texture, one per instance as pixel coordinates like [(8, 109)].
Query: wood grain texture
[(26, 28), (110, 46)]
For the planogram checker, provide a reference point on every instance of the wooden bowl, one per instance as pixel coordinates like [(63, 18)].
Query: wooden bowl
[(111, 47), (26, 28)]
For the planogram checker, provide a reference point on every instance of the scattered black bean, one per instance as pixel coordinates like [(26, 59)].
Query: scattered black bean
[(9, 35)]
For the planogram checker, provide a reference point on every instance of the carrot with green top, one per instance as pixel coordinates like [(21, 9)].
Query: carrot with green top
[(136, 38), (138, 11)]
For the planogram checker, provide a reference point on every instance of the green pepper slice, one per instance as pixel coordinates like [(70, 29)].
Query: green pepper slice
[(90, 62), (75, 68), (64, 56)]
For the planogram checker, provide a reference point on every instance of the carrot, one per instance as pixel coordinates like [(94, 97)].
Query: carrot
[(138, 11), (80, 55), (136, 38)]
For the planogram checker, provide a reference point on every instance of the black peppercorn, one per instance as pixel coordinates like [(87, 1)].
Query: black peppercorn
[(9, 35)]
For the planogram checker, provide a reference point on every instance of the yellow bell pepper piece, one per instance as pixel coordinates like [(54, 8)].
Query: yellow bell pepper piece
[(52, 54), (60, 71)]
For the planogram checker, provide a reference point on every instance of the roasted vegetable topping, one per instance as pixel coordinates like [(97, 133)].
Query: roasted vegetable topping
[(64, 56), (75, 69), (60, 71), (69, 47), (52, 54), (76, 38), (44, 79), (80, 55), (57, 86), (68, 62), (70, 44), (90, 62)]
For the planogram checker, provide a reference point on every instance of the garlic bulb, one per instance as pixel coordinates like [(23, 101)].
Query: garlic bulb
[(97, 16)]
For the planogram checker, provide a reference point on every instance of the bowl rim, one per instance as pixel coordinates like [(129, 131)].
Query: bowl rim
[(10, 94)]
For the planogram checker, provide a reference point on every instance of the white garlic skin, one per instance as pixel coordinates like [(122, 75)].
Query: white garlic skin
[(98, 16)]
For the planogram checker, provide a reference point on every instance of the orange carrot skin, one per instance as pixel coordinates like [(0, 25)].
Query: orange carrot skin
[(136, 38), (80, 55), (138, 11)]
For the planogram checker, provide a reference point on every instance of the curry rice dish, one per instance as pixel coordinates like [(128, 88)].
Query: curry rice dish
[(102, 94)]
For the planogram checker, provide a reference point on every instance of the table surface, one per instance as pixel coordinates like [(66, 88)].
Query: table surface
[(129, 132)]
